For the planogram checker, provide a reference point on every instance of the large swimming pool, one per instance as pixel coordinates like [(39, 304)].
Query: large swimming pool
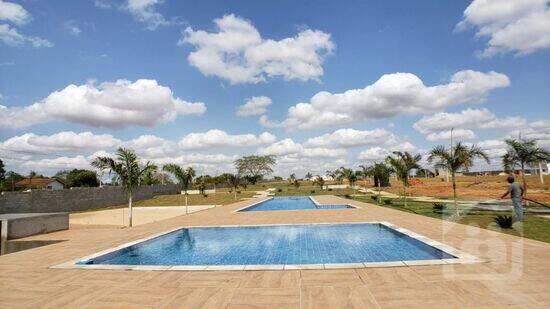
[(274, 245), (291, 203)]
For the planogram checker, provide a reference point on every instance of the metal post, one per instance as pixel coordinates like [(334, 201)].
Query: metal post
[(3, 237)]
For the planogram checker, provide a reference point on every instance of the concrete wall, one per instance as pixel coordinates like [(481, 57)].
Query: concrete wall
[(32, 224), (76, 199)]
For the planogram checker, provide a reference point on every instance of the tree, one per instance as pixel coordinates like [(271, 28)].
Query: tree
[(254, 168), (456, 158), (9, 182), (234, 181), (309, 176), (402, 164), (365, 173), (349, 174), (2, 171), (292, 180), (522, 153), (380, 172), (78, 178), (319, 181), (128, 171), (183, 176)]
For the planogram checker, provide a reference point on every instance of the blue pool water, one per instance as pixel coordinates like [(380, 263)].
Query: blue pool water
[(287, 244), (291, 203)]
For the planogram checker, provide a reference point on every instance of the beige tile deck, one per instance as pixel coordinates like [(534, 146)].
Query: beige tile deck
[(516, 273)]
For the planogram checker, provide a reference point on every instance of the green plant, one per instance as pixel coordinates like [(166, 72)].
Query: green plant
[(522, 153), (329, 189), (388, 202), (402, 164), (374, 197), (439, 206), (279, 190), (504, 222), (456, 158), (347, 196), (312, 191), (183, 175), (128, 172)]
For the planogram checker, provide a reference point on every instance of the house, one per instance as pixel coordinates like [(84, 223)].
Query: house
[(40, 183)]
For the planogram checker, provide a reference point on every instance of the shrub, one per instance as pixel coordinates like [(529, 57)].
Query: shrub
[(279, 190), (388, 202), (238, 191), (504, 222), (439, 206), (374, 197), (205, 195), (347, 196), (312, 191), (330, 189)]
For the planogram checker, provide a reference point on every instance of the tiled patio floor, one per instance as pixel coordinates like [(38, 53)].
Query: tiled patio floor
[(517, 274)]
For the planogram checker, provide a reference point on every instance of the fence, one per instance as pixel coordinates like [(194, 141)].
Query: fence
[(76, 199)]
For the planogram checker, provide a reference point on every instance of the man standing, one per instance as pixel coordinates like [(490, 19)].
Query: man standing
[(516, 194)]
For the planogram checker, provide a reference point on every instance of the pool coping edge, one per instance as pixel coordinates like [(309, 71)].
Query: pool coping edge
[(461, 257)]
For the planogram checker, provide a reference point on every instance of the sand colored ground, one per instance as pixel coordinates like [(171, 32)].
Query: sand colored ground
[(472, 187), (515, 275), (119, 217)]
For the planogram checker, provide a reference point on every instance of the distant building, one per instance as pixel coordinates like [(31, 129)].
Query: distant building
[(40, 183)]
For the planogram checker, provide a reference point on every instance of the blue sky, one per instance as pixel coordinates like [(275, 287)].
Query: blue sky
[(287, 51)]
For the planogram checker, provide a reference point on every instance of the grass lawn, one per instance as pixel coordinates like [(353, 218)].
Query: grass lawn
[(222, 198), (534, 227), (305, 188)]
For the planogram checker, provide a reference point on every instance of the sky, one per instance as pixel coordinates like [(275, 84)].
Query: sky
[(318, 84)]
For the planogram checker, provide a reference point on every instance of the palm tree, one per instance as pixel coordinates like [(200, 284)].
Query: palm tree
[(380, 172), (348, 174), (234, 181), (402, 164), (184, 177), (459, 157), (365, 173), (128, 171), (308, 176), (319, 181), (522, 153)]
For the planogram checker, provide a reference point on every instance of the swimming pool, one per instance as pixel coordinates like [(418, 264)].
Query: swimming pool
[(272, 245), (291, 203)]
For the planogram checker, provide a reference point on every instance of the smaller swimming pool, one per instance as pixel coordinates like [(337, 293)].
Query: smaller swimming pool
[(291, 203)]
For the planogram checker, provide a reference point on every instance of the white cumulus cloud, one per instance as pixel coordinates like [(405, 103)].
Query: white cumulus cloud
[(392, 95), (66, 141), (351, 138), (237, 52), (466, 119), (254, 106), (219, 138), (458, 135), (14, 13), (111, 104), (512, 26), (11, 37)]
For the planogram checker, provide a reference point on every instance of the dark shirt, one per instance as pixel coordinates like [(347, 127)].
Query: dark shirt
[(515, 190)]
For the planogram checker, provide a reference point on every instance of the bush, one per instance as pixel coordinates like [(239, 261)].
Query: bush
[(504, 222), (439, 206), (205, 195), (329, 189), (279, 190), (388, 202), (238, 191), (312, 191), (374, 197), (347, 196)]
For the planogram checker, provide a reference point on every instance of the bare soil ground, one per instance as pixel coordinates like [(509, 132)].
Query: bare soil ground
[(473, 187)]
